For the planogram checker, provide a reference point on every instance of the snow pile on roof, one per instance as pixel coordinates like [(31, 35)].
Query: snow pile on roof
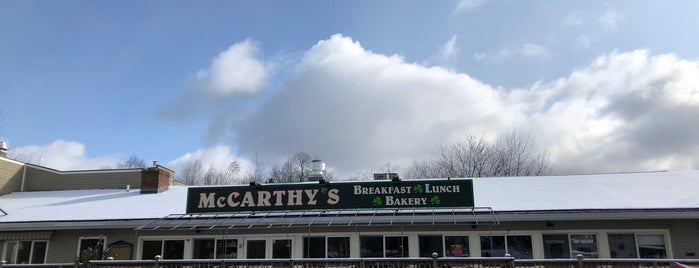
[(651, 190)]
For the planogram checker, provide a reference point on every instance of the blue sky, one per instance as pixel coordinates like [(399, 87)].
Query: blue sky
[(604, 86)]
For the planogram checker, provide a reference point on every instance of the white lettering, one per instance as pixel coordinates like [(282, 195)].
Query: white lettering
[(206, 200)]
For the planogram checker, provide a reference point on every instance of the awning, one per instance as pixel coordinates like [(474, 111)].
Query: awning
[(6, 236), (325, 218)]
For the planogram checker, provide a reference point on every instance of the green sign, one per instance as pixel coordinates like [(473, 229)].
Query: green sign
[(332, 195)]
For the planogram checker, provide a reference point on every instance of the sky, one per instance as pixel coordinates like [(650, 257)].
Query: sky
[(601, 86)]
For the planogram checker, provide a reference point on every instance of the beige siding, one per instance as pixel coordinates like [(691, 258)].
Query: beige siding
[(38, 179), (685, 239), (63, 246), (10, 176)]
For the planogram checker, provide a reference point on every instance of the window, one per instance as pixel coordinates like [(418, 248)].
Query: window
[(429, 244), (338, 247), (566, 246), (281, 249), (167, 249), (379, 246), (314, 247), (92, 242), (456, 246), (492, 246), (371, 246), (518, 246), (585, 244), (256, 249), (226, 248), (622, 246), (25, 252), (396, 246), (203, 249), (556, 246), (649, 246)]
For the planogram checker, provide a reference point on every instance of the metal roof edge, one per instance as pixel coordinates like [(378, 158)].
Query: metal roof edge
[(599, 214), (57, 225)]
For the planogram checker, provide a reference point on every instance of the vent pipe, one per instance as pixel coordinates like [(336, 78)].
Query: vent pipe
[(3, 148)]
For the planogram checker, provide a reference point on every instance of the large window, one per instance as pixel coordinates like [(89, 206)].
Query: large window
[(92, 243), (565, 246), (380, 246), (281, 249), (518, 246), (651, 246), (25, 252), (326, 247), (456, 246), (256, 249), (429, 244), (167, 249)]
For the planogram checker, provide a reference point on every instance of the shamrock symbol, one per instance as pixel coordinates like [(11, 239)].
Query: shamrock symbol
[(323, 190), (435, 200), (417, 188), (376, 201)]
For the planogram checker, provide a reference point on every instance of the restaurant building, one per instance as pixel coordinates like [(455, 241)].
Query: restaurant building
[(50, 216)]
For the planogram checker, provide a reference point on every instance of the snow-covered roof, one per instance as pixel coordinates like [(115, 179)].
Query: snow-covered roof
[(625, 191)]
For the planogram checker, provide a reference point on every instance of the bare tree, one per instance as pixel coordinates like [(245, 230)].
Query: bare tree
[(256, 171), (294, 169), (133, 162), (190, 172), (511, 155)]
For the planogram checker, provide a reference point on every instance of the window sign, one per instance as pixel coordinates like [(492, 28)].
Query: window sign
[(556, 246), (334, 195), (456, 246), (585, 244)]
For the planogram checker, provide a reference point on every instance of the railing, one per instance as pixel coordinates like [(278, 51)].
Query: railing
[(374, 263)]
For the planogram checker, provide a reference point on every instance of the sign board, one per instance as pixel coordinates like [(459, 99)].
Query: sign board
[(332, 195)]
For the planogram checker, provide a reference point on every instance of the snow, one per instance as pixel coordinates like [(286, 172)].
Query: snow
[(650, 190)]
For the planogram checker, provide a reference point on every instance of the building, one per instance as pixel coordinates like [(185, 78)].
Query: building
[(50, 216)]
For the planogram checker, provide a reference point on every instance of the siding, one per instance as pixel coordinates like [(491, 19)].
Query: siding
[(39, 179), (63, 246), (10, 176)]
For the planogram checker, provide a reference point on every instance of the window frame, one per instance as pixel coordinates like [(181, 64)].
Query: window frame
[(506, 238), (95, 237), (31, 250), (162, 246)]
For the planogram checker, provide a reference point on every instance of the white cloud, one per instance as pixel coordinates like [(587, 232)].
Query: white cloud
[(466, 5), (62, 155), (235, 74), (236, 70), (359, 110), (449, 50), (527, 50), (610, 20), (218, 157)]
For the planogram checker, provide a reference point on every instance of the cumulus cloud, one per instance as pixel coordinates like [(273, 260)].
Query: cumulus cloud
[(357, 110), (624, 112), (236, 70), (466, 5), (62, 155), (234, 74)]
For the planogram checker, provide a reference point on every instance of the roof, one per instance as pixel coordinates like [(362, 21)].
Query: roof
[(667, 190)]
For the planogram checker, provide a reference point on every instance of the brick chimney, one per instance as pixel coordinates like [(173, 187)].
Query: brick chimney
[(155, 179)]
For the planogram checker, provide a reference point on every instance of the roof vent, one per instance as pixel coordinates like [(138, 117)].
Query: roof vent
[(3, 148), (317, 170)]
